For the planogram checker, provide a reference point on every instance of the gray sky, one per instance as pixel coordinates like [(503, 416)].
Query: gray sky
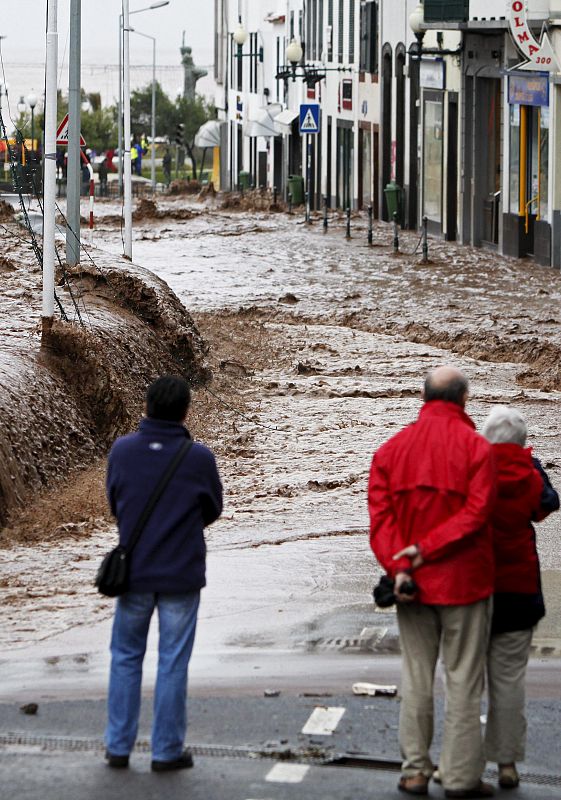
[(23, 50)]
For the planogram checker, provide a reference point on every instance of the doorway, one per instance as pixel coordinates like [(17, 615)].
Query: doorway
[(345, 159)]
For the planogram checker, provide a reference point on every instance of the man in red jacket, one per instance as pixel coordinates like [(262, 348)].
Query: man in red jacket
[(430, 497)]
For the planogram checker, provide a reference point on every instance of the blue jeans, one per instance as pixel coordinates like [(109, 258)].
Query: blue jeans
[(177, 616)]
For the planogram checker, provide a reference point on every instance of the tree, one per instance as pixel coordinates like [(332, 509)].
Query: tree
[(192, 113)]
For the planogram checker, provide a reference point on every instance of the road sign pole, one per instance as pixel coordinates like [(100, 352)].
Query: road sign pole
[(73, 181), (308, 176)]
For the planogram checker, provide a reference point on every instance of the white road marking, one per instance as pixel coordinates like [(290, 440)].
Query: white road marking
[(323, 720), (287, 773)]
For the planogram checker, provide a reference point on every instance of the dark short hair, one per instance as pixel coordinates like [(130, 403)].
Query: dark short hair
[(453, 392), (168, 398)]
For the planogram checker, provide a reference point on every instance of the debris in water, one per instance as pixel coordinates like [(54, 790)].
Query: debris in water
[(29, 708), (374, 690)]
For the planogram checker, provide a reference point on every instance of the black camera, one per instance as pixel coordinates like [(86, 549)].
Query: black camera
[(384, 591)]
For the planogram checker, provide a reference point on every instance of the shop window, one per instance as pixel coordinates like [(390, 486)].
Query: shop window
[(544, 162), (432, 160), (514, 159)]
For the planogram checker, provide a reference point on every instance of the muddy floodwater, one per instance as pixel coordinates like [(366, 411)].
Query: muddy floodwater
[(327, 342)]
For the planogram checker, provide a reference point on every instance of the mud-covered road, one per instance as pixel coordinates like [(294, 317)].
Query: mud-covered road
[(318, 346)]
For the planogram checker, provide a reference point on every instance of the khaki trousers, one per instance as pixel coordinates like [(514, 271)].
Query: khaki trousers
[(462, 635), (507, 659)]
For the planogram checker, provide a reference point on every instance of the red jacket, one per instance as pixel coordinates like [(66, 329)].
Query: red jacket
[(518, 502), (433, 484)]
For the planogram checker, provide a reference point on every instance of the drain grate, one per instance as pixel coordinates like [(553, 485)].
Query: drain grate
[(51, 744), (318, 756)]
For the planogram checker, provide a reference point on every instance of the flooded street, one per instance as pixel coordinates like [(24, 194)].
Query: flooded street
[(318, 347)]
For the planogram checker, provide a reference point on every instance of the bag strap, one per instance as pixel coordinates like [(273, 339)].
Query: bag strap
[(156, 494)]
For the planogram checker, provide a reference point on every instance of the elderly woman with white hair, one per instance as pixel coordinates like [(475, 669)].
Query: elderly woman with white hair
[(524, 495)]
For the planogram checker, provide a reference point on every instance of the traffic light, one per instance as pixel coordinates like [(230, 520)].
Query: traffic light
[(179, 133)]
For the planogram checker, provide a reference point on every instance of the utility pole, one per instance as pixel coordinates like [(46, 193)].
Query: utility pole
[(127, 131), (49, 185), (73, 181), (120, 106)]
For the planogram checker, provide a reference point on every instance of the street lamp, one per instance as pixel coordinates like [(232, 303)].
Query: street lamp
[(311, 74), (21, 105), (416, 21), (240, 34), (32, 102), (153, 158), (151, 7), (125, 144)]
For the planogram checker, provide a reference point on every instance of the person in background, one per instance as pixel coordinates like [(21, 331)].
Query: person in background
[(138, 159), (525, 495), (166, 164), (102, 172), (167, 571), (430, 499)]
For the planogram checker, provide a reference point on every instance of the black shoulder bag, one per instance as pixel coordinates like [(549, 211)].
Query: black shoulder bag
[(112, 577)]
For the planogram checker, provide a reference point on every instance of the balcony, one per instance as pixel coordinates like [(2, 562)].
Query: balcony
[(446, 11)]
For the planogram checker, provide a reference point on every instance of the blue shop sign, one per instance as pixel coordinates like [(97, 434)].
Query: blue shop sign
[(528, 91)]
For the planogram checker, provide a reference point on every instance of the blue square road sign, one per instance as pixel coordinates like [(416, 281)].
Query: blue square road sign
[(309, 118)]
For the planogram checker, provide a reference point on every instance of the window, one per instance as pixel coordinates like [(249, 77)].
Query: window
[(341, 29), (369, 37), (330, 30), (254, 50), (352, 4)]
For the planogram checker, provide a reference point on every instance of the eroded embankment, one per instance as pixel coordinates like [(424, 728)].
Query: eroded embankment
[(62, 404)]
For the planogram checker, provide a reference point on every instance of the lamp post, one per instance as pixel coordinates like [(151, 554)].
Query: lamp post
[(32, 102), (157, 4), (153, 156), (126, 144)]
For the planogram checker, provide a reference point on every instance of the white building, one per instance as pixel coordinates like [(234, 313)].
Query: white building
[(463, 114), (339, 44)]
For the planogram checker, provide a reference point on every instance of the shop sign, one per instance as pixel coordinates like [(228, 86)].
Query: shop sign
[(433, 74), (539, 55), (523, 91)]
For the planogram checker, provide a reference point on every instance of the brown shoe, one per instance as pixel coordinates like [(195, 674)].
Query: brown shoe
[(481, 790), (417, 784), (508, 776)]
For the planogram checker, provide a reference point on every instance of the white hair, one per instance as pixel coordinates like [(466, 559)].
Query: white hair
[(505, 425)]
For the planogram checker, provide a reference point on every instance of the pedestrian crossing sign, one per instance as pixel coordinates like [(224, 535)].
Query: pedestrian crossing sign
[(309, 118)]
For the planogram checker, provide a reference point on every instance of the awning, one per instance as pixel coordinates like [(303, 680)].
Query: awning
[(276, 16), (285, 119), (208, 134), (264, 122)]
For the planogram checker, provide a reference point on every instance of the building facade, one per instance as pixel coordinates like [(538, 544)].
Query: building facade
[(455, 101)]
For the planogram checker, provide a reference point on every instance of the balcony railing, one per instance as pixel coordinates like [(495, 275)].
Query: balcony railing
[(446, 11)]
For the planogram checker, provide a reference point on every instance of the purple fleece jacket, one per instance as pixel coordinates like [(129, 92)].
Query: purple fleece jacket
[(171, 553)]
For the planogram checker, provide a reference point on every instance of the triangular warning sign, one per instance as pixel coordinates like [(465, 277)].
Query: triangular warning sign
[(62, 134), (309, 123)]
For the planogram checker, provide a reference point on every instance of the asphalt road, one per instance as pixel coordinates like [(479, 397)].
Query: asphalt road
[(249, 747)]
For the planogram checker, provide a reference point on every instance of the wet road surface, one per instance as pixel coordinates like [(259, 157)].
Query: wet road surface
[(290, 572)]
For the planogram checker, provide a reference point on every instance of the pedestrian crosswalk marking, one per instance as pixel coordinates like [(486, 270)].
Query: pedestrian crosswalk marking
[(323, 720), (287, 773), (309, 123)]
